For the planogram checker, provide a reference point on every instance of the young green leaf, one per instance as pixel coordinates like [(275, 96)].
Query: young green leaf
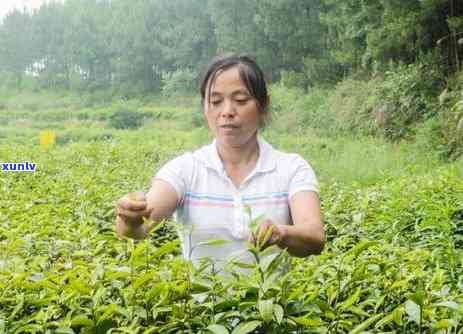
[(214, 242), (218, 329), (364, 325), (246, 327), (266, 309)]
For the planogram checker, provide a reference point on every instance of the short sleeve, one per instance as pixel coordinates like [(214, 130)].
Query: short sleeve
[(175, 173), (302, 178)]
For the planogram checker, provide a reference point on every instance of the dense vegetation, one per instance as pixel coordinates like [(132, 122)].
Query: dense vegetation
[(392, 262), (101, 93)]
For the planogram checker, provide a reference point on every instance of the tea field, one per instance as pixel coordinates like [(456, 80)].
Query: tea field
[(392, 261)]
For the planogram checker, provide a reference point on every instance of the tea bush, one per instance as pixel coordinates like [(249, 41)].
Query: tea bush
[(392, 263)]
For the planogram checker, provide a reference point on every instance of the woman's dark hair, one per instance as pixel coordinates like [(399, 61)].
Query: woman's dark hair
[(250, 73)]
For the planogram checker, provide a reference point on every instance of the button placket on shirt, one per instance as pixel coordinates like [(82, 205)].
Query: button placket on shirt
[(239, 221), (239, 228)]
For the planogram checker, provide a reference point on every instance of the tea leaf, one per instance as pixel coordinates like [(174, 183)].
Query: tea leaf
[(278, 312), (366, 324), (266, 309), (215, 242), (307, 322), (81, 320), (218, 329), (267, 236), (254, 225), (413, 311), (448, 304), (267, 261), (246, 327)]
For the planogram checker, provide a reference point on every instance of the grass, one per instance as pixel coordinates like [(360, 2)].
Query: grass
[(361, 160)]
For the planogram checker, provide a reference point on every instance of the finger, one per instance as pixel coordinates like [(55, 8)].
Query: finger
[(276, 235), (131, 214), (125, 223), (127, 204), (137, 196)]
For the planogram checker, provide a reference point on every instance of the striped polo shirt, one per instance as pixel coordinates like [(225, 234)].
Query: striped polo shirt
[(211, 207)]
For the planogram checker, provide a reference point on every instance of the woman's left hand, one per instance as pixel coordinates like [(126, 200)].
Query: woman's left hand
[(269, 234)]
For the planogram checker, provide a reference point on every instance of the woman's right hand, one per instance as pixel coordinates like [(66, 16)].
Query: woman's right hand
[(131, 209)]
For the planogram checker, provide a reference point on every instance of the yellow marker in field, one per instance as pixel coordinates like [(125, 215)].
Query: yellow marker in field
[(47, 138)]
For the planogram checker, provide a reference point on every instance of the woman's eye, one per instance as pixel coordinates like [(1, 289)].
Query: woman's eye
[(216, 102), (242, 101)]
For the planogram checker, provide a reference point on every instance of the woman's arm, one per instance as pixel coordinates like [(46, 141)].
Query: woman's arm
[(307, 235), (159, 203), (162, 201)]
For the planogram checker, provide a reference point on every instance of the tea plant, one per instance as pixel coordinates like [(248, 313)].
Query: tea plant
[(392, 263)]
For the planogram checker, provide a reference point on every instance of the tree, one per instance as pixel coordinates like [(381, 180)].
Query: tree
[(15, 45)]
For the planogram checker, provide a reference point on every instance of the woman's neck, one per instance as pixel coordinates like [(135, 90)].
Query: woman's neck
[(240, 155)]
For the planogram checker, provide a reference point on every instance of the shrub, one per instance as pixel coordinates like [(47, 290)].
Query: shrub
[(322, 71), (178, 83), (407, 96), (126, 119), (292, 109), (102, 136), (292, 79), (312, 111), (451, 131), (429, 137), (443, 133), (352, 106), (83, 116)]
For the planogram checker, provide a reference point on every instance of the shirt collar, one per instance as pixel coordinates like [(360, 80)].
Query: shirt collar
[(265, 163)]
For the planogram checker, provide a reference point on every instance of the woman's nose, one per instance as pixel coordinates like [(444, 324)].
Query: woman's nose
[(228, 109)]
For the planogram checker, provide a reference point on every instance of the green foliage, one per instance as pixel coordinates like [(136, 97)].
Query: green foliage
[(391, 105), (407, 95), (69, 136), (125, 47), (392, 261), (350, 107), (179, 83), (394, 222), (126, 119), (294, 110), (16, 53), (322, 71), (444, 133), (369, 34), (291, 79)]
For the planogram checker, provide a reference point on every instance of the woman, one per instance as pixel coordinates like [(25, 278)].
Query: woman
[(218, 189)]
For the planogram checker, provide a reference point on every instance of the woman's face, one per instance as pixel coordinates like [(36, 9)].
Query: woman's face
[(232, 113)]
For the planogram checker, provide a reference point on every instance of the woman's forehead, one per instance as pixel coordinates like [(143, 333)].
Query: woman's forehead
[(228, 81)]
